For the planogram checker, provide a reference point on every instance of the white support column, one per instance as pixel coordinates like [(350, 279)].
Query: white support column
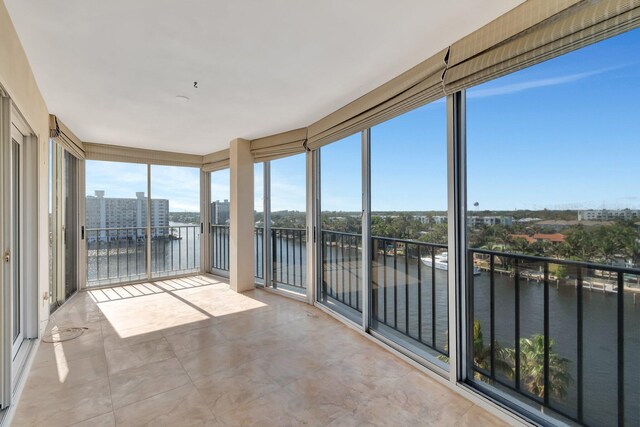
[(205, 222), (241, 227), (366, 229), (311, 228)]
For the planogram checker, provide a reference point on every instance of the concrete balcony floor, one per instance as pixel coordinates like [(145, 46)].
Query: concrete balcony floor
[(192, 352)]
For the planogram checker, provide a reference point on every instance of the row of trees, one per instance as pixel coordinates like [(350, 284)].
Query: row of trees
[(606, 243), (603, 243)]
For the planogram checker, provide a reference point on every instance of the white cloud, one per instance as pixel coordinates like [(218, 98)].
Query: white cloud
[(534, 84)]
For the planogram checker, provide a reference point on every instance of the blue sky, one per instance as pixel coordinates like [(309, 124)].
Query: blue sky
[(564, 134)]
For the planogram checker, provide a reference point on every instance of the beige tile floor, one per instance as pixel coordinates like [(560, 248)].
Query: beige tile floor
[(192, 352)]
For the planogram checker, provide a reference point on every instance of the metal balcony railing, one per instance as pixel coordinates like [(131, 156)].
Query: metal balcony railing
[(117, 255), (558, 351), (408, 294), (257, 256), (175, 250), (219, 235), (341, 263), (289, 257)]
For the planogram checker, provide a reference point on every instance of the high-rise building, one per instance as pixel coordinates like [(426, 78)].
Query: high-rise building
[(126, 218), (220, 212)]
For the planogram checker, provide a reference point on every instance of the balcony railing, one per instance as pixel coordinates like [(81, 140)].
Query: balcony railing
[(557, 334), (341, 263), (289, 256), (117, 255), (219, 235), (257, 256), (409, 291), (175, 250)]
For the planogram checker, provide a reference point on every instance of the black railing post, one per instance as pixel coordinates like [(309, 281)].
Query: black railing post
[(406, 287), (547, 389), (620, 349), (349, 239), (323, 239), (274, 258), (395, 284), (433, 296), (286, 239), (579, 322), (517, 322), (492, 312), (108, 254), (384, 289), (420, 293)]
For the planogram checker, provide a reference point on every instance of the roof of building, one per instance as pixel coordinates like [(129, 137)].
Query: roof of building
[(521, 236), (553, 237), (569, 223)]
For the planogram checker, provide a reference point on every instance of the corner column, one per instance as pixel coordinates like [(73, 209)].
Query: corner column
[(241, 227)]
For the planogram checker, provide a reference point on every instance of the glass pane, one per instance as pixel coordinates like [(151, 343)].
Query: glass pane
[(71, 227), (409, 231), (53, 235), (258, 206), (116, 220), (553, 231), (16, 276), (288, 223), (175, 220), (341, 226), (219, 221)]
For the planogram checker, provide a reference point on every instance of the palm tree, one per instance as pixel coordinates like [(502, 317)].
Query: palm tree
[(532, 367), (482, 353)]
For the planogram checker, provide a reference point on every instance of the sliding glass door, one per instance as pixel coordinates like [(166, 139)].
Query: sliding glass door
[(219, 222), (552, 224), (18, 239), (340, 224), (175, 220), (64, 225), (409, 271), (14, 258), (116, 222), (287, 193)]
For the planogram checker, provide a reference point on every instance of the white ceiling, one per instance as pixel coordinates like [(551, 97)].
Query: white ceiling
[(111, 69)]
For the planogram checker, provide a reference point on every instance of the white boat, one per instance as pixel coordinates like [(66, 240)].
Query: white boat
[(442, 263)]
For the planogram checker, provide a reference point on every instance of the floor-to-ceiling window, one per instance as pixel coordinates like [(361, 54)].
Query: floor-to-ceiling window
[(409, 293), (116, 222), (340, 223), (553, 217), (287, 188), (18, 239), (175, 220), (259, 219), (64, 224), (219, 221)]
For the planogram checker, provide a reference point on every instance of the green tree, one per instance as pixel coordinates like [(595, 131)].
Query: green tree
[(579, 244), (532, 367), (482, 353)]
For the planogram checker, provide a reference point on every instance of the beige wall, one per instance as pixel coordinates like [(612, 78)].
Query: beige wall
[(17, 79)]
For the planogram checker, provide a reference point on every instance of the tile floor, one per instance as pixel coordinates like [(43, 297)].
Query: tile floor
[(190, 351)]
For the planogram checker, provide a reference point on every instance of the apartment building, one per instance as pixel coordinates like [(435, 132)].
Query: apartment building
[(608, 214), (127, 215)]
